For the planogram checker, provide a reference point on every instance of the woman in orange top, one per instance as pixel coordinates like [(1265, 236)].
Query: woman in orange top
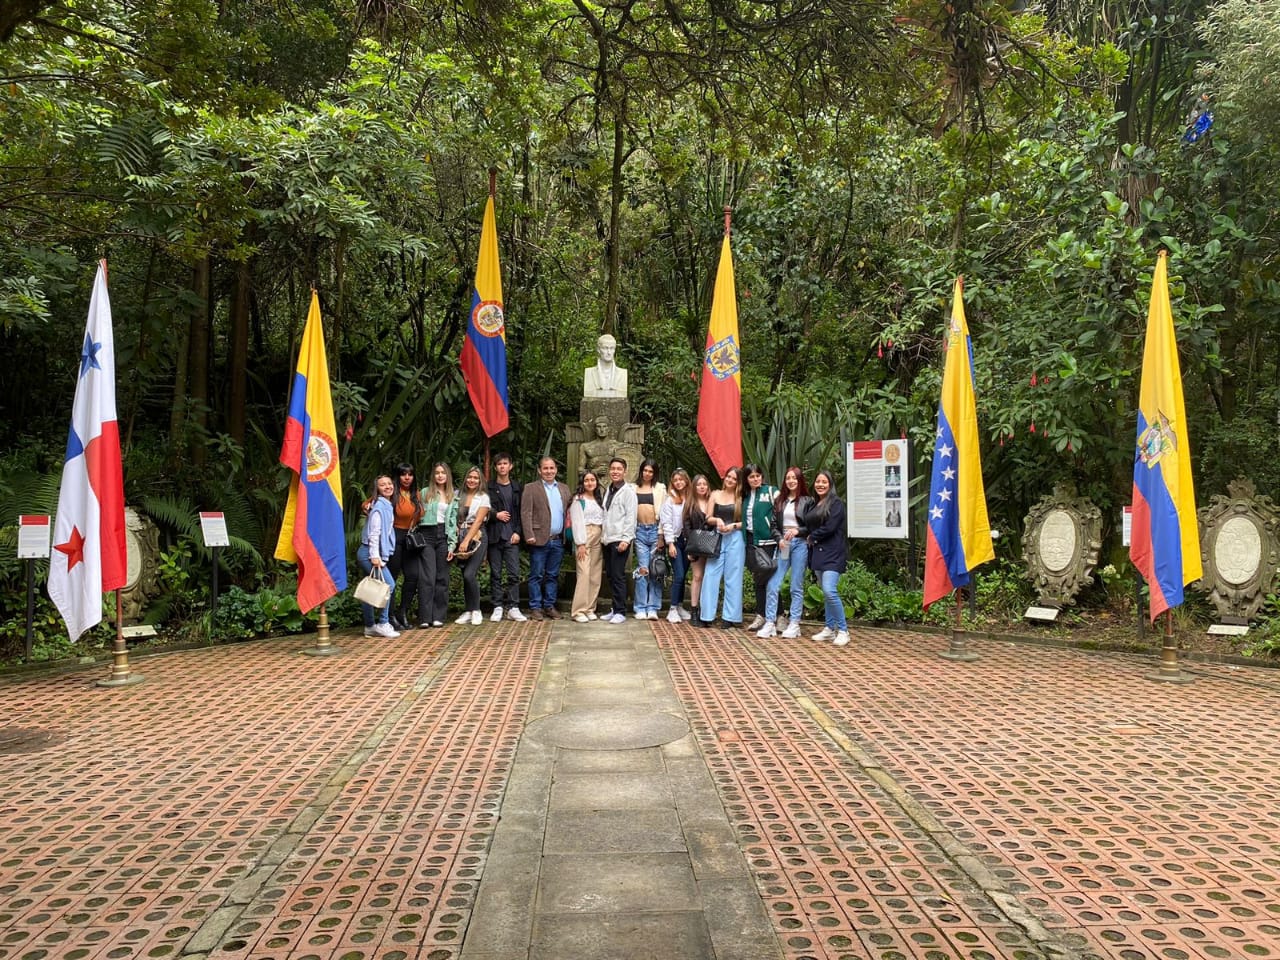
[(406, 508)]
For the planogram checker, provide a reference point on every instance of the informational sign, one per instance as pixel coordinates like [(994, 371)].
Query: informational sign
[(33, 537), (1126, 525), (878, 477), (214, 528)]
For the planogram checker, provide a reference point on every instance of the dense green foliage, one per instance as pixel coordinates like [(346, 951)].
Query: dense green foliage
[(227, 156)]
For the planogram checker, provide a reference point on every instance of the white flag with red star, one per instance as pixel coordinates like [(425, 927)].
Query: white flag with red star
[(88, 556)]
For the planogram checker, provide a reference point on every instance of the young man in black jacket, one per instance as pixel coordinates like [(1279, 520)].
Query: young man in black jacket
[(504, 540)]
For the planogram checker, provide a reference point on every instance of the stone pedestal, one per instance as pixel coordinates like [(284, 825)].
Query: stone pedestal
[(605, 431)]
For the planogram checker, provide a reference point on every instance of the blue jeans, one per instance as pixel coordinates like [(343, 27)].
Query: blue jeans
[(833, 606), (373, 614), (648, 593), (679, 569), (544, 573), (728, 567), (797, 563)]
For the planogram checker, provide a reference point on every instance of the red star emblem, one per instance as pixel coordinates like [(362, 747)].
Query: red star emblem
[(73, 548)]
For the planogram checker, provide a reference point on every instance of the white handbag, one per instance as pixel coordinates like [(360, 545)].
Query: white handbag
[(374, 591)]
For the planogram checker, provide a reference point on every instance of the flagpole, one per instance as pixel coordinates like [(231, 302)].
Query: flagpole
[(120, 673), (728, 218), (324, 646), (1169, 670), (959, 647)]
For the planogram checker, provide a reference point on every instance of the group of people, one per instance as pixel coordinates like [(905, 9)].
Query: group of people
[(681, 530)]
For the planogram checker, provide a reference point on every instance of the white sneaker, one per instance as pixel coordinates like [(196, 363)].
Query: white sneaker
[(685, 614), (437, 623), (385, 630), (371, 632), (476, 618), (465, 618), (842, 638), (792, 631), (618, 618), (767, 631), (515, 614), (673, 615), (580, 618), (757, 623), (592, 616), (826, 633), (496, 615), (642, 615)]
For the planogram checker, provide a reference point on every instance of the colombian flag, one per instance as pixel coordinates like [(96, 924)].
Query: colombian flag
[(311, 535), (958, 535), (484, 352), (720, 400), (1165, 542)]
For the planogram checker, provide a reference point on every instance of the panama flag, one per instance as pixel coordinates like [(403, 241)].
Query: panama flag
[(720, 400), (89, 554), (1165, 542), (311, 534), (958, 537), (484, 352)]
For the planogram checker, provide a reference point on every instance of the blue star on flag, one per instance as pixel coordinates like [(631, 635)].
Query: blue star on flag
[(89, 355)]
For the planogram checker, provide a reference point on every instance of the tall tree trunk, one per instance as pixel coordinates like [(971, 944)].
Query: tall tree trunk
[(613, 246), (238, 352), (198, 360)]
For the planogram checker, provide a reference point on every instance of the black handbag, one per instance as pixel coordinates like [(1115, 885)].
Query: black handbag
[(762, 558), (703, 543), (659, 569), (416, 539)]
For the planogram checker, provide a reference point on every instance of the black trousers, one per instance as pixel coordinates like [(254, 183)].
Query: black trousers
[(433, 577), (615, 571), (471, 576), (399, 562), (760, 585), (504, 557)]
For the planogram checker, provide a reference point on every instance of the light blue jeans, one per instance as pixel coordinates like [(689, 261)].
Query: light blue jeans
[(797, 563), (372, 614), (727, 567), (648, 594), (833, 606)]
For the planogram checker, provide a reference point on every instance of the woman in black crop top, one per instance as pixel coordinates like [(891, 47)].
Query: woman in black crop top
[(649, 496)]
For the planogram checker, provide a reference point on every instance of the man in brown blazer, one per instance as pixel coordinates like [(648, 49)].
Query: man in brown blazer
[(543, 505)]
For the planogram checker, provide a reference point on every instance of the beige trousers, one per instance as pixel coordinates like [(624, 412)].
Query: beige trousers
[(588, 587)]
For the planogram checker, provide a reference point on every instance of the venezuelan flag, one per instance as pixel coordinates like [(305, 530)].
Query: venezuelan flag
[(720, 399), (958, 536), (311, 534), (484, 352), (1165, 542)]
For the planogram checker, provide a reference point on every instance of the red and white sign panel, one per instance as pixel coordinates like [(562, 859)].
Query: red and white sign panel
[(878, 476)]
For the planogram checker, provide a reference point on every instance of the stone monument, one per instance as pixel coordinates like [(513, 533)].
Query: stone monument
[(1061, 540), (1240, 552), (604, 430), (142, 565)]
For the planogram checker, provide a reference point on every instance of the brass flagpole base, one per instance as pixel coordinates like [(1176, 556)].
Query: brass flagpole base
[(959, 648), (323, 647), (121, 675), (1169, 670)]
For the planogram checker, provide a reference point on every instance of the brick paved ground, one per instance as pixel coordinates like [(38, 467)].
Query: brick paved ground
[(246, 801)]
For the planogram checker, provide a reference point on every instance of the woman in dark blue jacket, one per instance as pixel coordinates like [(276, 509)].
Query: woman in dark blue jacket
[(828, 554)]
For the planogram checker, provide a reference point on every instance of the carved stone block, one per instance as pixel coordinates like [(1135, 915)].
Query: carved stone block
[(1061, 540), (1239, 550)]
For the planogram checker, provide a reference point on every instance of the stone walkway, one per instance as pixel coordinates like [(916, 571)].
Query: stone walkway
[(558, 790)]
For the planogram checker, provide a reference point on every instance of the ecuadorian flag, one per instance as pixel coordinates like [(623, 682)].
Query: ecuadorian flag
[(958, 537), (484, 352), (1165, 542), (311, 535)]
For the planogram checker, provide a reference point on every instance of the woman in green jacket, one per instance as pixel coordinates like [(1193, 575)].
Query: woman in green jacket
[(757, 521)]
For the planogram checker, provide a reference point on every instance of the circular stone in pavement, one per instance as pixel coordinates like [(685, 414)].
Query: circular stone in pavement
[(602, 728)]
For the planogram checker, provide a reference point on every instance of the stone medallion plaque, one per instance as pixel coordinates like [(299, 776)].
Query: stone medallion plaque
[(1061, 539), (1239, 550), (142, 543)]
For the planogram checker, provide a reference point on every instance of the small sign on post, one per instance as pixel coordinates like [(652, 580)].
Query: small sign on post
[(214, 527), (34, 536)]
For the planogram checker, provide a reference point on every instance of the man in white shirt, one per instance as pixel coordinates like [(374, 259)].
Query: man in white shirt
[(619, 530)]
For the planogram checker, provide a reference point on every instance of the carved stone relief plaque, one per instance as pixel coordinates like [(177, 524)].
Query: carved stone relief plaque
[(142, 546), (1061, 539), (1240, 550)]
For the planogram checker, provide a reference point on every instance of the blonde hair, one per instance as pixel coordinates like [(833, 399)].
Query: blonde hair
[(433, 491)]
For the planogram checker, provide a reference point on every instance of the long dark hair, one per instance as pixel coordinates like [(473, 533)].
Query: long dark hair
[(582, 490), (653, 465), (802, 489), (822, 505), (411, 494)]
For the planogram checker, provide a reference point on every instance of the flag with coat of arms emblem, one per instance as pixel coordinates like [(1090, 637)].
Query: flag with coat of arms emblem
[(720, 399)]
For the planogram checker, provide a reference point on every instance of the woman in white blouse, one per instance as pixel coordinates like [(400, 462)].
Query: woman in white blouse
[(466, 541), (586, 519)]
